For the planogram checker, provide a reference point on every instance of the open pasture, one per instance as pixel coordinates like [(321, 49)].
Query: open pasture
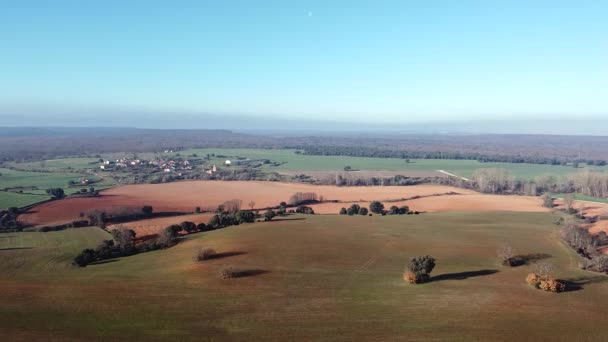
[(309, 278)]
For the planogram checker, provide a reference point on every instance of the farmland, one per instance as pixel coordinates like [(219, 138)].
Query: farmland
[(317, 276), (185, 196), (290, 161), (20, 188)]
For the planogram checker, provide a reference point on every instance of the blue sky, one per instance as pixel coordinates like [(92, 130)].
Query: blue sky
[(389, 61)]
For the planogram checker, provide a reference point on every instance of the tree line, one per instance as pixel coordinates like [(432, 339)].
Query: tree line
[(376, 152)]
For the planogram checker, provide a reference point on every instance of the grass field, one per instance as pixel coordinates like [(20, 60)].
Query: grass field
[(59, 164), (41, 180), (580, 197), (462, 168), (312, 278)]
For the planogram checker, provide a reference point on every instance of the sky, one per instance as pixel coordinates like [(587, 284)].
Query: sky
[(150, 63)]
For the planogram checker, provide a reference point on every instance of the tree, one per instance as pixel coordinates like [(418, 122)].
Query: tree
[(123, 237), (269, 215), (56, 193), (343, 211), (419, 269), (353, 210), (197, 210), (85, 257), (376, 207), (569, 202), (363, 211), (251, 204), (187, 226), (214, 222), (167, 237), (347, 168), (201, 227), (393, 210), (147, 210), (245, 216), (302, 209)]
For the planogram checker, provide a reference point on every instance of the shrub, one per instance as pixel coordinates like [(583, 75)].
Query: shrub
[(205, 254), (552, 285), (363, 211), (201, 227), (343, 211), (305, 210), (533, 279), (230, 272), (376, 207), (410, 277), (197, 210)]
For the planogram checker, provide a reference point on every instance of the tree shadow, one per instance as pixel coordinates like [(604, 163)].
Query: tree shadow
[(463, 275), (250, 273), (527, 259), (15, 248), (225, 255), (6, 237), (288, 219), (101, 262), (577, 284)]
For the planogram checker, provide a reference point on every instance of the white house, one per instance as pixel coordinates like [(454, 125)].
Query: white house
[(227, 162)]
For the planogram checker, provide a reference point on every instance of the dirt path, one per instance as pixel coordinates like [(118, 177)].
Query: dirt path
[(453, 175)]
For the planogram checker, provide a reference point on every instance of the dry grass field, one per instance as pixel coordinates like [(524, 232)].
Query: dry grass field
[(319, 277)]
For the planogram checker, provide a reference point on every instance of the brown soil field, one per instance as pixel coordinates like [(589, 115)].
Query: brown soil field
[(185, 196), (470, 203), (365, 174), (156, 225), (590, 209)]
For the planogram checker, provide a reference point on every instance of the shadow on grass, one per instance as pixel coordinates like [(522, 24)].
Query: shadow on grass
[(463, 275), (225, 255), (527, 259), (101, 262), (6, 237), (250, 273), (15, 248), (288, 219), (576, 284)]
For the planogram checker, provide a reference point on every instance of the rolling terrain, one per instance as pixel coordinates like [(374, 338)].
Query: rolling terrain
[(310, 278)]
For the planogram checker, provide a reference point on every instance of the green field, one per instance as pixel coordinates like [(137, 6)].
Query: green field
[(41, 180), (318, 278), (59, 164), (580, 197), (462, 168)]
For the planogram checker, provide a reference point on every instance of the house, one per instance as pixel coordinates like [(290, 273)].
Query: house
[(212, 170), (227, 162)]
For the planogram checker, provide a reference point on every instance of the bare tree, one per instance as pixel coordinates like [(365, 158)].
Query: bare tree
[(251, 204), (505, 253), (544, 270), (569, 201)]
